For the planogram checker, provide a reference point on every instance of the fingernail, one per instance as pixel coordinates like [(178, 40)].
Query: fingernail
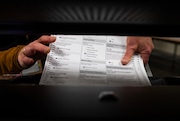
[(124, 61), (47, 51), (53, 38), (23, 51)]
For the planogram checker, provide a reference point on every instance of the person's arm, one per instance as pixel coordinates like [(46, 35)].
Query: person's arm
[(141, 45), (8, 60)]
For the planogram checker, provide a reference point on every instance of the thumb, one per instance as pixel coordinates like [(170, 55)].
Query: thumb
[(27, 51)]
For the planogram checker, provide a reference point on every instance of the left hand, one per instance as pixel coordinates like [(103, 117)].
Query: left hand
[(34, 51)]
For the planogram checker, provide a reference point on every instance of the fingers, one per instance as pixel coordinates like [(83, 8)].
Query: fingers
[(34, 48), (145, 54), (145, 57), (25, 61), (45, 39), (34, 51), (28, 51), (131, 48), (39, 46), (127, 56)]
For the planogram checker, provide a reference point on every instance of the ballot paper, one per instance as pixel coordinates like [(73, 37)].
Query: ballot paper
[(92, 60)]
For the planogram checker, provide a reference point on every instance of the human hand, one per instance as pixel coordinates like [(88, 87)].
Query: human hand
[(141, 45), (34, 51)]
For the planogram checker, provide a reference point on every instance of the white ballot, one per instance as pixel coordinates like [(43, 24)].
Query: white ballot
[(92, 60)]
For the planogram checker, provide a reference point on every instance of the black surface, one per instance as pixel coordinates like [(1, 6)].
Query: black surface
[(24, 99), (25, 102), (122, 17)]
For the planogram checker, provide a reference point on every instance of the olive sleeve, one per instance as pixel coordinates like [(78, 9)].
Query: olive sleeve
[(9, 60)]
